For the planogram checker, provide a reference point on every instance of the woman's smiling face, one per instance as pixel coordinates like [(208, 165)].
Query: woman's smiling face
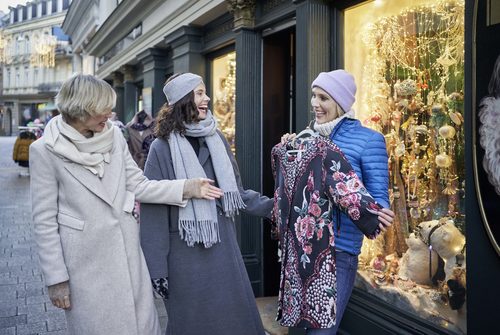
[(201, 100), (324, 107)]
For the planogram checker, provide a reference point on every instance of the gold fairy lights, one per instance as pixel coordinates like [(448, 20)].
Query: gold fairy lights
[(412, 82), (41, 52), (44, 51)]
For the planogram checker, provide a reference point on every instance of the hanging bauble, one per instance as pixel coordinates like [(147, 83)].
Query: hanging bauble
[(396, 115), (447, 131), (421, 129), (375, 117), (456, 118), (443, 160), (437, 108), (400, 150)]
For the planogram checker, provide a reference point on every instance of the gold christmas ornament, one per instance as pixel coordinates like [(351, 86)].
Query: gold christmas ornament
[(456, 118), (447, 131), (443, 160)]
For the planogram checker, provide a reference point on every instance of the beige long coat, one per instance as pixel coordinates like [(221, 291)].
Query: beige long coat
[(86, 234)]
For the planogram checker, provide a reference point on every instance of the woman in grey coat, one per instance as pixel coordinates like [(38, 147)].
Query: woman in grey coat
[(192, 252), (83, 186)]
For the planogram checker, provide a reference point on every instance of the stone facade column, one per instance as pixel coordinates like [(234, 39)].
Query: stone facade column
[(118, 87), (249, 131), (129, 94), (154, 62), (313, 52), (186, 43)]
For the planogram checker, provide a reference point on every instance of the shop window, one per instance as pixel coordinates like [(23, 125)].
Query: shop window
[(223, 88), (408, 61)]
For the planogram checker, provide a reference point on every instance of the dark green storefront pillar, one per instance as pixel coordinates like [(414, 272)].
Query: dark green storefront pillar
[(154, 62), (249, 137), (186, 43), (313, 52), (118, 87), (130, 93)]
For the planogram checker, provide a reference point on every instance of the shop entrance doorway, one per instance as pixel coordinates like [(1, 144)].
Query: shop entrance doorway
[(278, 100)]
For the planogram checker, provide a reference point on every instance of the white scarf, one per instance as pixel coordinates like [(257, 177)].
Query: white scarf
[(66, 142), (325, 129)]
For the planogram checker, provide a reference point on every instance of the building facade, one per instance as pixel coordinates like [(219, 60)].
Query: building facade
[(412, 64), (36, 59)]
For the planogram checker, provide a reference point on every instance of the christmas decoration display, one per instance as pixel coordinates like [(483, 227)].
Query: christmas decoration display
[(412, 91), (224, 99)]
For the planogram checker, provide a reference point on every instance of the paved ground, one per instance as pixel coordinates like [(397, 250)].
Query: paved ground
[(24, 305)]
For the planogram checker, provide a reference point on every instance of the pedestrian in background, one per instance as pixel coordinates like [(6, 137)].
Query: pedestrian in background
[(83, 186), (192, 252)]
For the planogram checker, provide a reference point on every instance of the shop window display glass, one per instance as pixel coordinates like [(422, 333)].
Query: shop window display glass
[(408, 61), (224, 94)]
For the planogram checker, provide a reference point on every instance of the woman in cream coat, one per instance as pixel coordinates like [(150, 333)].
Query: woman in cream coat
[(83, 185)]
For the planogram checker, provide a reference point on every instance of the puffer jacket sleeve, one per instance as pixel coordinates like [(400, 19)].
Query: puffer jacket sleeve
[(374, 167)]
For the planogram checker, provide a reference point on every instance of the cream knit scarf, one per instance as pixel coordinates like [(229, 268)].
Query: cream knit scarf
[(66, 142), (325, 129)]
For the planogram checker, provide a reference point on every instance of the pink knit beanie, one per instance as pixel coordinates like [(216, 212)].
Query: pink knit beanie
[(340, 85)]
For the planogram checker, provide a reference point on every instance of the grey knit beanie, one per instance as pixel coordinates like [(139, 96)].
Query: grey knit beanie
[(181, 85)]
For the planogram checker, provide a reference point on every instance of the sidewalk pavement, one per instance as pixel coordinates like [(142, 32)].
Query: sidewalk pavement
[(25, 307)]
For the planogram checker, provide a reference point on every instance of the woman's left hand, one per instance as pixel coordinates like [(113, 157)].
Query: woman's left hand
[(201, 188), (385, 218)]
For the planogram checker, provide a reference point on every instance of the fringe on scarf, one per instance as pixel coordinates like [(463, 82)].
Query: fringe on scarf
[(232, 203), (199, 231)]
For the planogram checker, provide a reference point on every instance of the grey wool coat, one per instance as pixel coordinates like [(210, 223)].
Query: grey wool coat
[(86, 234), (209, 289)]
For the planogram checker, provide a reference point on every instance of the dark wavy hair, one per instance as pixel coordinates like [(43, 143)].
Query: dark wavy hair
[(172, 118)]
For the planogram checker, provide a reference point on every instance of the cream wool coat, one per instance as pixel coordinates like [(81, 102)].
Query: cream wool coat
[(86, 234)]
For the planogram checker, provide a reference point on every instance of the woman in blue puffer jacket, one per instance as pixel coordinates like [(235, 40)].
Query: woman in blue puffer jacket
[(332, 98)]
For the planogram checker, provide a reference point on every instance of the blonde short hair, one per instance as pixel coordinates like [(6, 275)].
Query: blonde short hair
[(83, 96)]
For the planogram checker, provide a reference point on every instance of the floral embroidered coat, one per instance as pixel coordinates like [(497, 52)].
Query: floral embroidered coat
[(307, 185)]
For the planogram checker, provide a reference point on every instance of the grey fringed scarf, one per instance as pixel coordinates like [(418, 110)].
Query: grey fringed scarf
[(198, 222)]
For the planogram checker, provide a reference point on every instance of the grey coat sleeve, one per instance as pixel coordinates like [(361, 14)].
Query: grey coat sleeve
[(155, 236), (256, 204)]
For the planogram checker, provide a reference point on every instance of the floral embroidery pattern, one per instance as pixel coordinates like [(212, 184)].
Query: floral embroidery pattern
[(310, 220), (307, 185)]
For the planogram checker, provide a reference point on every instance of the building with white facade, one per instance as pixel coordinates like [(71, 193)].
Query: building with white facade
[(35, 60)]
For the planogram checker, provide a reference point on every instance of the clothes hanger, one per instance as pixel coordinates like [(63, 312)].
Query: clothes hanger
[(300, 142)]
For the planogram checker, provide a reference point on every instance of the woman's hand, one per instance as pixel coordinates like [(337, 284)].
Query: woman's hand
[(287, 137), (201, 188), (59, 295), (385, 218)]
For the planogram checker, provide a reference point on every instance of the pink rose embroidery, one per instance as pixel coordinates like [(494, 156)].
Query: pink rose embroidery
[(353, 213)]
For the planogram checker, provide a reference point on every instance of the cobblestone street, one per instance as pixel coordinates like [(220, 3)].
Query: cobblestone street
[(24, 304), (25, 307)]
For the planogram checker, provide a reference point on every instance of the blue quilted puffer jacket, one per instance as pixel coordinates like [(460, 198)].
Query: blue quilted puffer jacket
[(366, 151)]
